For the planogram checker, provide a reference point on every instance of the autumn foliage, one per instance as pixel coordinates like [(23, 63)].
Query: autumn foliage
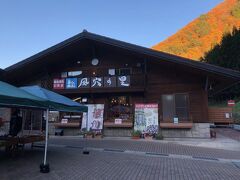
[(202, 34)]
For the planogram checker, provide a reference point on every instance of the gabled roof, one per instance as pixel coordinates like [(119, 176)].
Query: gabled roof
[(130, 47)]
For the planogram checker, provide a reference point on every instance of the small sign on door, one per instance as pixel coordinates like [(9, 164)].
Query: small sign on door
[(175, 120)]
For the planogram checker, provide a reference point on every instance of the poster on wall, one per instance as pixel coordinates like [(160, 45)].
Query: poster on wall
[(94, 118), (146, 118)]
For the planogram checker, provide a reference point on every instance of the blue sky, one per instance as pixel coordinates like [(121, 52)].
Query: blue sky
[(30, 26)]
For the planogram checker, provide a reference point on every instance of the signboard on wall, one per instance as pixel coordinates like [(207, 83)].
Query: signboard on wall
[(71, 83), (94, 118), (118, 121), (58, 84), (96, 82), (123, 81), (91, 82), (146, 118), (83, 82), (110, 81)]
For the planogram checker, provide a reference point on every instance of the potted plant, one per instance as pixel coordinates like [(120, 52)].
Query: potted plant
[(89, 134), (159, 136), (136, 134), (148, 136), (98, 135)]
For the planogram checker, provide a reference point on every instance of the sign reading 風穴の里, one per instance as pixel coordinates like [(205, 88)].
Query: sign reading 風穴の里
[(91, 82), (146, 118), (94, 118)]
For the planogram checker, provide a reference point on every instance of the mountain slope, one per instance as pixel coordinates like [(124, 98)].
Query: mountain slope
[(203, 33)]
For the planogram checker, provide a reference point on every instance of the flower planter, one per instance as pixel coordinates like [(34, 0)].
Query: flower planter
[(99, 136), (135, 137)]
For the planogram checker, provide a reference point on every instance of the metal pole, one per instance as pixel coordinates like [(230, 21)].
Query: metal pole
[(46, 139), (85, 151), (44, 167)]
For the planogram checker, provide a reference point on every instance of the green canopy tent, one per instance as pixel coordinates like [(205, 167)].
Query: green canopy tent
[(57, 102), (11, 96)]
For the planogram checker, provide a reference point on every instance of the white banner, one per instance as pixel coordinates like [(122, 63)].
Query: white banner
[(94, 118), (146, 118)]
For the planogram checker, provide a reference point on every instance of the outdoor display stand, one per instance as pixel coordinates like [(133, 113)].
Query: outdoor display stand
[(56, 102), (38, 98)]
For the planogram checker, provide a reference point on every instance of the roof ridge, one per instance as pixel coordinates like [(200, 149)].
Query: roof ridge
[(137, 48)]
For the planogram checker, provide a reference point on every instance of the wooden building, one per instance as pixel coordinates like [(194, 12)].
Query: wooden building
[(83, 66), (1, 74)]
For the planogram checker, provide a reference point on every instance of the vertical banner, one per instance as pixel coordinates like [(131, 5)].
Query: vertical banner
[(94, 118), (146, 118)]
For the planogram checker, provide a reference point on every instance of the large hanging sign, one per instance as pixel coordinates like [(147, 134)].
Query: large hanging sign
[(93, 120), (146, 118), (92, 82)]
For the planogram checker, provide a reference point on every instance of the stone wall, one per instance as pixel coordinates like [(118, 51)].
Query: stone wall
[(199, 130)]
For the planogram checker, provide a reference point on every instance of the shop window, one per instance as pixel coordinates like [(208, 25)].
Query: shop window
[(120, 108), (32, 119), (175, 105)]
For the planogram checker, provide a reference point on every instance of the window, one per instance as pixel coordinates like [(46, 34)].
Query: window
[(120, 108), (175, 105), (123, 71), (181, 105), (32, 119)]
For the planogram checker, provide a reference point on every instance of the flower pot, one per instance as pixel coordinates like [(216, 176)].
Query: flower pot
[(99, 136), (135, 137)]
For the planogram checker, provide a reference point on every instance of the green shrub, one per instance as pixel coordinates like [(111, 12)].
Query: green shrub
[(159, 136), (136, 133), (236, 117)]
